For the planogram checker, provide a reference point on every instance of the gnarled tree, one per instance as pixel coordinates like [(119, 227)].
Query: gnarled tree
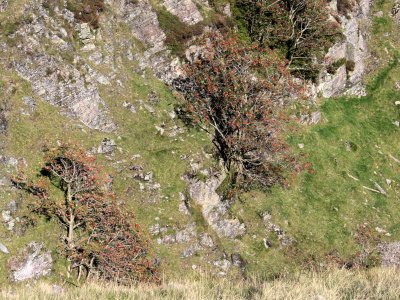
[(101, 240), (233, 91), (301, 29)]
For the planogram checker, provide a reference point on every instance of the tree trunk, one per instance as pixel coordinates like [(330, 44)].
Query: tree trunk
[(71, 221)]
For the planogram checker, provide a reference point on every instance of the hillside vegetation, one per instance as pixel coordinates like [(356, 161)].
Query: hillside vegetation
[(333, 284), (317, 236)]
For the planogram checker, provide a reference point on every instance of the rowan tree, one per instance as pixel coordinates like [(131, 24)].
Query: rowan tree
[(301, 29), (101, 240), (233, 91)]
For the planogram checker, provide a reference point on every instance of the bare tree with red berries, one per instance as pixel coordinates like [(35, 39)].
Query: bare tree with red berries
[(101, 240), (233, 92)]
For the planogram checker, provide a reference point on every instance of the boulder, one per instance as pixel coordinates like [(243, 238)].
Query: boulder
[(3, 5), (185, 10), (107, 146), (4, 249), (214, 210), (34, 263)]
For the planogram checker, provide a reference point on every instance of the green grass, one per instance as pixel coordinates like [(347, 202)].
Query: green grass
[(323, 210)]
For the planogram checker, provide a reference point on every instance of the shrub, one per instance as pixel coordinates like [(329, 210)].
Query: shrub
[(345, 6), (299, 29), (87, 11), (179, 34), (232, 92), (350, 66), (101, 240)]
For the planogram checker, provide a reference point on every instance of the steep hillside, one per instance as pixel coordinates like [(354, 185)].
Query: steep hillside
[(101, 76)]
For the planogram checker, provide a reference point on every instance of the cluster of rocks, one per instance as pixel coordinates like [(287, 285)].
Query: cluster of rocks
[(145, 179), (352, 50), (283, 238), (8, 217), (107, 146)]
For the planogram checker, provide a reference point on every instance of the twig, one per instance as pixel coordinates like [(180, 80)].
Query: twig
[(394, 158), (352, 177), (381, 190), (372, 190)]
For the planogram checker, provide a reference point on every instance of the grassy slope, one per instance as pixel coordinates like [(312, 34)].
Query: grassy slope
[(321, 211)]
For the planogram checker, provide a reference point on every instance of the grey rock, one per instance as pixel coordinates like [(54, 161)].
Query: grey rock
[(213, 209), (354, 49), (156, 229), (284, 240), (12, 206), (96, 57), (88, 47), (103, 80), (144, 25), (30, 102), (36, 262), (230, 228), (4, 249), (183, 208), (107, 146), (3, 5), (227, 10), (3, 181), (168, 239), (237, 260), (185, 10), (85, 33), (8, 219), (206, 240), (129, 106), (148, 176), (180, 237), (315, 117), (395, 12), (186, 234), (63, 85), (390, 254), (191, 250), (331, 84), (68, 16), (223, 264)]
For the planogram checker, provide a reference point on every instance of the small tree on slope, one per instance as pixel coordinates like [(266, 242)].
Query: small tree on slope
[(101, 240), (301, 29), (233, 91)]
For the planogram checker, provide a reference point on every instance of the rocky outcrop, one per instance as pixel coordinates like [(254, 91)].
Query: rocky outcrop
[(352, 50), (34, 263), (185, 10), (61, 79), (63, 85), (144, 25), (214, 210)]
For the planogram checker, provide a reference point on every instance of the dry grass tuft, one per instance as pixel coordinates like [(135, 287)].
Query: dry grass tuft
[(376, 283)]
